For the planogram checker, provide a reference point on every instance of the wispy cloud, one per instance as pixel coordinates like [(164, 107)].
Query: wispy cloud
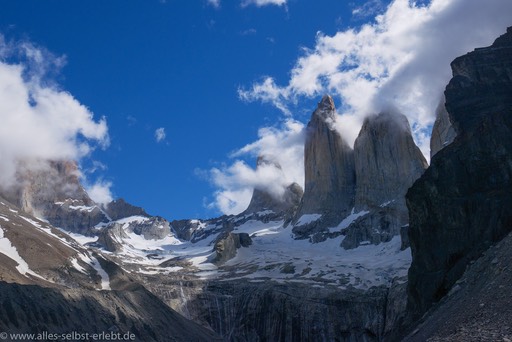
[(214, 3), (261, 3), (283, 145), (248, 32), (160, 134), (369, 9), (399, 59)]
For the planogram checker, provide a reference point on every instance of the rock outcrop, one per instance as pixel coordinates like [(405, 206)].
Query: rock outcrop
[(387, 162), (119, 209), (227, 243), (463, 202), (329, 173), (443, 132), (111, 237)]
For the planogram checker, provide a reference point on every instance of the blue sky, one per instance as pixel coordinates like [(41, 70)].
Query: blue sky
[(192, 91)]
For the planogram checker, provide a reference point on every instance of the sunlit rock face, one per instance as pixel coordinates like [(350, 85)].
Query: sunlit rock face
[(329, 172), (463, 202), (387, 161), (443, 132)]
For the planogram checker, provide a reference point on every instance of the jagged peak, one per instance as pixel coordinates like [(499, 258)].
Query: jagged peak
[(326, 111), (327, 103), (264, 160)]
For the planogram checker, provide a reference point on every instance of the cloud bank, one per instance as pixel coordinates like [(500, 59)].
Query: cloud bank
[(40, 122), (400, 59)]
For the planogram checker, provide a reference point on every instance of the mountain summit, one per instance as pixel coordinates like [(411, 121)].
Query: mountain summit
[(329, 171)]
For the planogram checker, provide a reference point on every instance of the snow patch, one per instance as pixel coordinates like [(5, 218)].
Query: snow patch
[(94, 263), (347, 221), (308, 218), (77, 266)]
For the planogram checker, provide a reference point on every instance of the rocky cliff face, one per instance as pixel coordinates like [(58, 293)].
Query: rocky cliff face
[(443, 132), (387, 162), (52, 190), (227, 243), (119, 209), (329, 172), (463, 202), (267, 311)]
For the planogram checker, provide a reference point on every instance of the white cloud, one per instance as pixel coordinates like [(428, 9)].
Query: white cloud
[(160, 134), (261, 3), (100, 191), (401, 59), (283, 145), (39, 121)]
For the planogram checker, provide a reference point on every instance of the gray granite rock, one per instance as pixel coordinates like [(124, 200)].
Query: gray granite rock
[(329, 172)]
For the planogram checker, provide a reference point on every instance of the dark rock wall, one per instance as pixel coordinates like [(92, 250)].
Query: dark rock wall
[(463, 202), (268, 311)]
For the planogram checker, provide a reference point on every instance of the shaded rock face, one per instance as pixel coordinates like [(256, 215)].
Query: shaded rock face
[(443, 132), (184, 229), (329, 171), (268, 311), (52, 190), (35, 309), (376, 226), (119, 209), (227, 243), (463, 202), (111, 237), (387, 162), (479, 306)]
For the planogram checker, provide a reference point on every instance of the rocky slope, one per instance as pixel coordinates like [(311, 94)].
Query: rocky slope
[(463, 202), (50, 282), (479, 306)]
